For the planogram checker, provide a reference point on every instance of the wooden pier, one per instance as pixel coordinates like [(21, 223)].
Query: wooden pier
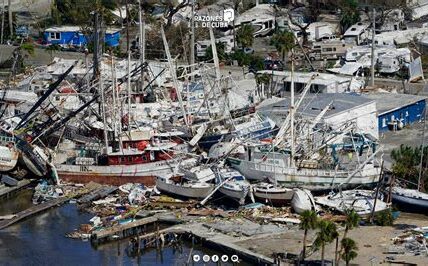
[(226, 244), (7, 192), (32, 211), (205, 236), (122, 231)]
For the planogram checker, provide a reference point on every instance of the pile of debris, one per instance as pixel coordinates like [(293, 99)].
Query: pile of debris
[(44, 191), (412, 241)]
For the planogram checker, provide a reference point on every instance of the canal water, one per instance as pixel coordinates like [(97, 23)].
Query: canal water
[(40, 240)]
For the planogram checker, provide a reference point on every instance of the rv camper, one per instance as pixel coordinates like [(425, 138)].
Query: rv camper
[(356, 34), (326, 50), (202, 46), (260, 18)]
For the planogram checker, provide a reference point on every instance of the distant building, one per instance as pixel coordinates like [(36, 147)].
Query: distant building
[(73, 36), (321, 82), (396, 110), (345, 108)]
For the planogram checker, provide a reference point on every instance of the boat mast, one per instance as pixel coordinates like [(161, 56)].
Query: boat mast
[(2, 23), (292, 111), (103, 111), (215, 56), (373, 46), (192, 41), (173, 72), (141, 43), (128, 85), (422, 152)]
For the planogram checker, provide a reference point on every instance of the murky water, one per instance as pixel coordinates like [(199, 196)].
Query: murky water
[(40, 240), (18, 202)]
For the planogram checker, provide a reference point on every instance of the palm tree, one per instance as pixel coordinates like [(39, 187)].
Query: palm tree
[(244, 36), (308, 221), (336, 249), (350, 14), (53, 48), (352, 220), (27, 47), (326, 234), (349, 250), (283, 42)]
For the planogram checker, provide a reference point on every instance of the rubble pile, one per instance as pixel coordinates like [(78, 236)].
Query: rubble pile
[(411, 242)]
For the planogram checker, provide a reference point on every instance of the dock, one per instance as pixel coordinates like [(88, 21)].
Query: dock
[(6, 192), (226, 244), (32, 211), (122, 231), (205, 236)]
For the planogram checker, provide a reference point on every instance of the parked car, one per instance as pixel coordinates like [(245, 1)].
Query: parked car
[(268, 64)]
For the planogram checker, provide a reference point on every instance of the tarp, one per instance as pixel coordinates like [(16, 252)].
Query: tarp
[(415, 70)]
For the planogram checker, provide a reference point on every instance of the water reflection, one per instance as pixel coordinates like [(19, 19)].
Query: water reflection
[(41, 240)]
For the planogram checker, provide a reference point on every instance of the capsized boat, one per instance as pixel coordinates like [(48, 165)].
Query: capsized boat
[(272, 194), (303, 200), (410, 200), (235, 185), (8, 158), (249, 127), (195, 186), (361, 201)]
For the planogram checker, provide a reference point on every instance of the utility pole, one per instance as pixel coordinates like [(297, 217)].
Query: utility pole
[(97, 47), (2, 23), (127, 27), (192, 41), (373, 45), (9, 10)]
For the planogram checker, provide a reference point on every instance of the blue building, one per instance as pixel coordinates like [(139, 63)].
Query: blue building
[(73, 36), (395, 110)]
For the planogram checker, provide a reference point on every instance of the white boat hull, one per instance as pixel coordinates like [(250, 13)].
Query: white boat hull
[(302, 201), (8, 158), (313, 179), (193, 192), (361, 201), (281, 197), (238, 195)]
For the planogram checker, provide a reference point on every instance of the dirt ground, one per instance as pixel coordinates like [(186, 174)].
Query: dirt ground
[(372, 242)]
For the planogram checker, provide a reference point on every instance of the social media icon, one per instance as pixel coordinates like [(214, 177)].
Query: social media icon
[(234, 258), (196, 258), (229, 15), (214, 258), (206, 258), (224, 258)]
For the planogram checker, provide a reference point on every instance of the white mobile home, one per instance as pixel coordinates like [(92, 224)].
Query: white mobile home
[(356, 34), (331, 49), (261, 18), (202, 46)]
